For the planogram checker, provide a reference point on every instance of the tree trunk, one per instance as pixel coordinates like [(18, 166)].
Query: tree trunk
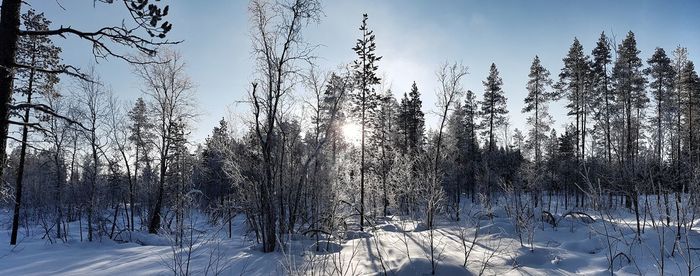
[(9, 34), (20, 168)]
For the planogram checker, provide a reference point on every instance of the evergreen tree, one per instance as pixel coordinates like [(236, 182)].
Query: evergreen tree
[(629, 82), (604, 98), (680, 57), (493, 107), (518, 139), (662, 75), (334, 96), (142, 137), (382, 139), (690, 88), (216, 184), (365, 73), (411, 121), (537, 101), (39, 54), (573, 84)]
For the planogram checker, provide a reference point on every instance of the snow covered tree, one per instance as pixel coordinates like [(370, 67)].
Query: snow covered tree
[(449, 94), (493, 107), (383, 138), (365, 99), (216, 184), (411, 121), (278, 48)]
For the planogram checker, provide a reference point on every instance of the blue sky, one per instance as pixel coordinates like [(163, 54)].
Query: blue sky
[(414, 37)]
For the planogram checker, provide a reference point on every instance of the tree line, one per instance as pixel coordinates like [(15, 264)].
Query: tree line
[(124, 167)]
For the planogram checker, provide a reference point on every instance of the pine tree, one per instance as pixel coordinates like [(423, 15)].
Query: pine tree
[(37, 53), (573, 84), (662, 74), (493, 106), (629, 82), (690, 85), (142, 137), (366, 98), (604, 98), (680, 57), (537, 100)]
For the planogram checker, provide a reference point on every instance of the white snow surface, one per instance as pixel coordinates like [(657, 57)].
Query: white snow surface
[(397, 245)]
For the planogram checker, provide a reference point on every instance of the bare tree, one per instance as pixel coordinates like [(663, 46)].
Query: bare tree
[(119, 138), (58, 136), (171, 92), (93, 98), (449, 93), (278, 47)]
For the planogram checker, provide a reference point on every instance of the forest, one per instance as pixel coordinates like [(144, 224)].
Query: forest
[(330, 171)]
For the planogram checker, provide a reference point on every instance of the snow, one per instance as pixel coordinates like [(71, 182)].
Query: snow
[(398, 245)]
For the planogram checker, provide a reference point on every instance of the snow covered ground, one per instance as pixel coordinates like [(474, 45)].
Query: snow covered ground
[(397, 246)]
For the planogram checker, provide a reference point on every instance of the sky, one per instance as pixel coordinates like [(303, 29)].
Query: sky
[(414, 38)]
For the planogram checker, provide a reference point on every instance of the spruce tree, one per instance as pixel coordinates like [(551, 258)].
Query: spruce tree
[(366, 98), (493, 107), (411, 121)]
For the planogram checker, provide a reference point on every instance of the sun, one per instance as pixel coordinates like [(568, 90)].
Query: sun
[(352, 132)]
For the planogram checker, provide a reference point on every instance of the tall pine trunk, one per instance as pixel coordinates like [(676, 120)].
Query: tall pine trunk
[(20, 168)]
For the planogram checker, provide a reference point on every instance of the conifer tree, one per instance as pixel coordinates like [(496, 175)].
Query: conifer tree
[(629, 82), (411, 121), (690, 85), (40, 55), (537, 101), (493, 107), (142, 137), (680, 57), (572, 84), (382, 139), (365, 73), (604, 98), (662, 75)]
